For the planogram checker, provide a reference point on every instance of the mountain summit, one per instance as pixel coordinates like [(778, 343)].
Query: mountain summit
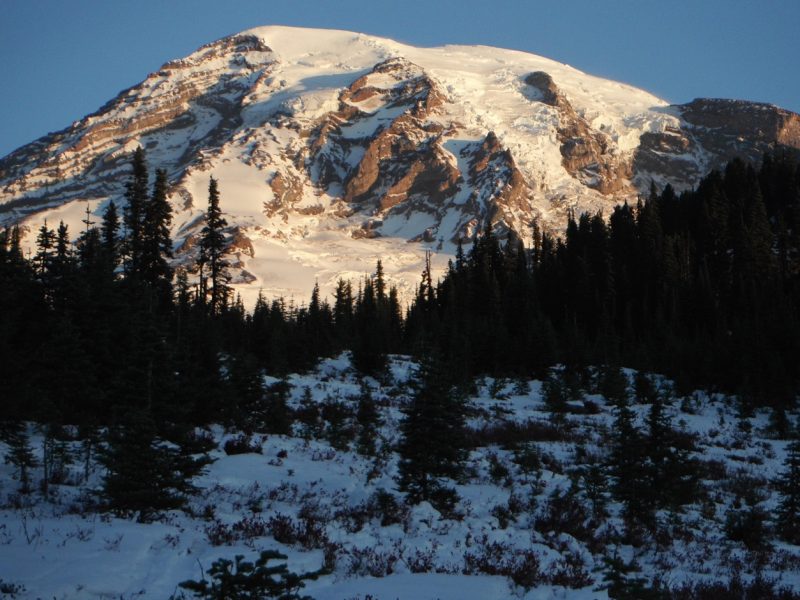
[(333, 149)]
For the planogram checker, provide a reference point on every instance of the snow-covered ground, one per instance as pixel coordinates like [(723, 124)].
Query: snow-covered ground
[(324, 506)]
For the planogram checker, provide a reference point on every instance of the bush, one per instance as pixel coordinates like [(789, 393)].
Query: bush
[(11, 589), (242, 444), (387, 507), (372, 562), (758, 589), (510, 435), (566, 513), (747, 527), (497, 558), (308, 532), (246, 529)]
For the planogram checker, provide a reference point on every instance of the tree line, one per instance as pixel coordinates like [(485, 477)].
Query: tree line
[(703, 286)]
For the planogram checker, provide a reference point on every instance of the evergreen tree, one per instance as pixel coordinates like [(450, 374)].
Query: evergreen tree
[(45, 245), (555, 393), (134, 217), (369, 349), (110, 237), (433, 446), (242, 580), (19, 454), (368, 421), (144, 475), (343, 313), (672, 473), (628, 471), (213, 265), (156, 244), (278, 417)]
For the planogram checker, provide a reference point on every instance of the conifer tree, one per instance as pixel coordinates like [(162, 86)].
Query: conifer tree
[(555, 393), (243, 580), (144, 475), (156, 243), (670, 470), (433, 446), (110, 236), (45, 245), (62, 269), (19, 454), (629, 475), (136, 195), (343, 312), (368, 420), (212, 253), (369, 351), (278, 417)]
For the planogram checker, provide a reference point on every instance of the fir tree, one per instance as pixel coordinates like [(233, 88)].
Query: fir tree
[(278, 417), (20, 453), (45, 244), (433, 446), (156, 244), (368, 420), (134, 218), (242, 580), (672, 474), (213, 265), (628, 471), (144, 475), (110, 236)]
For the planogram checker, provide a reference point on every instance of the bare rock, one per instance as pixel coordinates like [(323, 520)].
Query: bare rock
[(586, 153)]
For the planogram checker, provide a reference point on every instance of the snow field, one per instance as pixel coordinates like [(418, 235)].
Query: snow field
[(321, 504)]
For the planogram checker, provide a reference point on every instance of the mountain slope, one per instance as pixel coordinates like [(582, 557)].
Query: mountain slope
[(335, 148)]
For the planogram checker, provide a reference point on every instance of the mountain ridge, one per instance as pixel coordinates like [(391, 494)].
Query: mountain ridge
[(335, 148)]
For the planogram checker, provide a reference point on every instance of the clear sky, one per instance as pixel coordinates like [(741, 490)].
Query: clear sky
[(62, 59)]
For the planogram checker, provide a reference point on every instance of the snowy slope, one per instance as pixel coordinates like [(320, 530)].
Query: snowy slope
[(334, 149), (310, 500)]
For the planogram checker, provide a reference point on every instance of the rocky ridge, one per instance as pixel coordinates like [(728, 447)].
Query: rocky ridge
[(320, 137)]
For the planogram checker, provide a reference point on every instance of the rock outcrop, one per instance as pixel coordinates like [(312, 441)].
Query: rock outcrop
[(587, 154)]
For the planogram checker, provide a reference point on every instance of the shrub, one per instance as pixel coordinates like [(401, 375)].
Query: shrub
[(566, 513), (387, 507), (509, 434), (497, 558), (242, 444), (11, 589), (372, 562), (758, 589), (747, 527)]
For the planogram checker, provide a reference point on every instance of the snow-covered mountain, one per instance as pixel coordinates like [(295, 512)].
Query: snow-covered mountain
[(334, 149)]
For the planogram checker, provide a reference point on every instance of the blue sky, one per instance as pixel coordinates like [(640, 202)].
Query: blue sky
[(62, 59)]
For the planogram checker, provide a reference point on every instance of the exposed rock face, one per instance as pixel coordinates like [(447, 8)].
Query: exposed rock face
[(398, 156), (719, 130), (198, 98), (587, 154), (287, 191), (494, 175)]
